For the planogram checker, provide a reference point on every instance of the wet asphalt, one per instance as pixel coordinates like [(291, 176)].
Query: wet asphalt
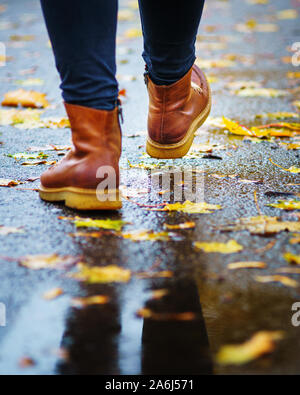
[(229, 306)]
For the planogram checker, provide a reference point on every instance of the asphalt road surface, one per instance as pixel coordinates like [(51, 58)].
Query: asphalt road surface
[(227, 307)]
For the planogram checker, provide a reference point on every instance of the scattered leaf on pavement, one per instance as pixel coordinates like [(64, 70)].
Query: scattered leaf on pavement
[(53, 293), (106, 274), (149, 314), (89, 301), (260, 344), (288, 282), (292, 258), (247, 265), (230, 247), (47, 261), (25, 98), (261, 225)]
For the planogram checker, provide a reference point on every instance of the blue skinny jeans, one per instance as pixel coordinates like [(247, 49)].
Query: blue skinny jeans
[(83, 37)]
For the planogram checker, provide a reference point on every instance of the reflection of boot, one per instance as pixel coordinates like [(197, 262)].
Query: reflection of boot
[(96, 136), (175, 113), (173, 346)]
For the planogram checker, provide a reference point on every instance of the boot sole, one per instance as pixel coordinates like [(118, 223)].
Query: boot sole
[(83, 199), (180, 149)]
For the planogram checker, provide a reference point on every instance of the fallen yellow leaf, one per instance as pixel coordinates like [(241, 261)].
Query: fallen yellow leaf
[(224, 248), (106, 274), (292, 258), (260, 344), (277, 279), (89, 301), (47, 261), (246, 265), (24, 98), (53, 294)]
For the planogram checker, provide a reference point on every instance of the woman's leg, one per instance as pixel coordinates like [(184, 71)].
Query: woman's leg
[(83, 37), (170, 28)]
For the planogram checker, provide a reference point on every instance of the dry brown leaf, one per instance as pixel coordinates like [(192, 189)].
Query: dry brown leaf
[(260, 344), (25, 98)]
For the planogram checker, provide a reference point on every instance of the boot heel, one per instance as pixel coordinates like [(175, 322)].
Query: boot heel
[(83, 199)]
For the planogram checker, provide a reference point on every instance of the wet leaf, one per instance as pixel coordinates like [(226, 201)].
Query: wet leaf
[(286, 204), (260, 344), (293, 74), (214, 63), (252, 26), (7, 230), (47, 261), (261, 92), (185, 225), (133, 33), (30, 82), (26, 362), (15, 116), (288, 282), (237, 85), (277, 115), (230, 247), (24, 155), (106, 274), (116, 225), (295, 240), (288, 270), (125, 15), (25, 98), (90, 301), (4, 182), (147, 235), (149, 314), (161, 274), (292, 258), (53, 293), (192, 208), (292, 169), (261, 225), (247, 265), (287, 14)]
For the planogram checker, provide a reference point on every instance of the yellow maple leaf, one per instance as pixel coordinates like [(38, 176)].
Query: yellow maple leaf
[(230, 247)]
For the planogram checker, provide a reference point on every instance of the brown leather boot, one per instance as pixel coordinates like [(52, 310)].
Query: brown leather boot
[(175, 113), (87, 178)]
